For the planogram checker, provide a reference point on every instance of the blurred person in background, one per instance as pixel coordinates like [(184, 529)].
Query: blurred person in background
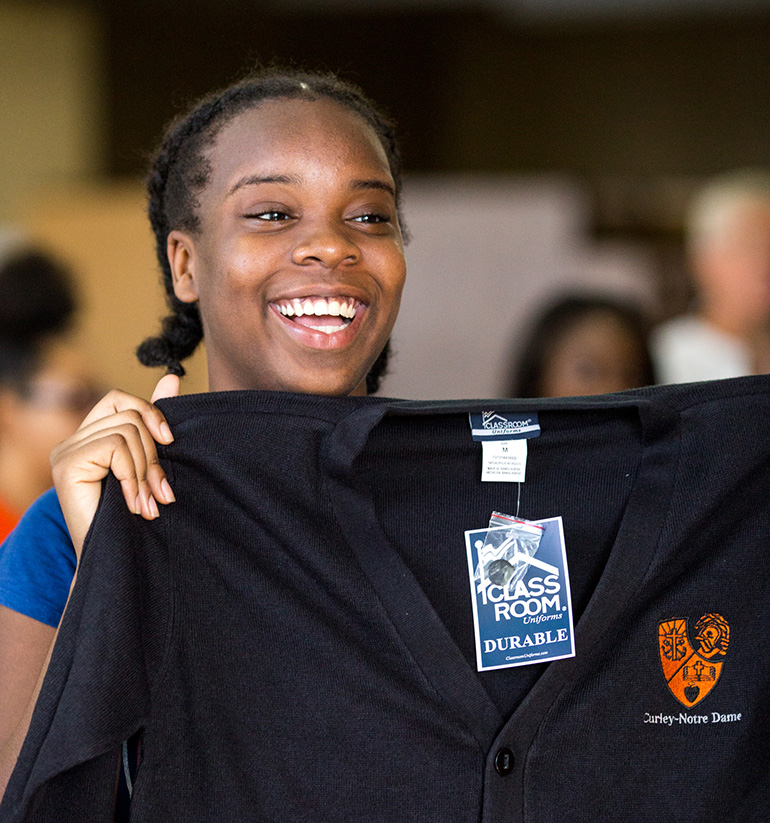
[(44, 388), (728, 245), (44, 394), (582, 345)]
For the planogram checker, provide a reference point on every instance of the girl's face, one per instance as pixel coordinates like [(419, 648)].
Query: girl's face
[(597, 355), (47, 410), (298, 266)]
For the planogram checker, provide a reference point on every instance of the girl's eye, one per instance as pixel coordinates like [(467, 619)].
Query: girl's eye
[(372, 218), (269, 216)]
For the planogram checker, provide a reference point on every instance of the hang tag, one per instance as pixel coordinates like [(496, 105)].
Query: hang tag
[(526, 616), (504, 460)]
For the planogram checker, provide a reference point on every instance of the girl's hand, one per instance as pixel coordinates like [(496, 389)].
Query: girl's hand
[(118, 435)]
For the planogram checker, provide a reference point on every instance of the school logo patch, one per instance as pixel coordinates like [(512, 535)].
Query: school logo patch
[(691, 673)]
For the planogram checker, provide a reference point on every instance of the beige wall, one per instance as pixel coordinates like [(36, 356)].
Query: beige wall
[(102, 232), (51, 154), (50, 94)]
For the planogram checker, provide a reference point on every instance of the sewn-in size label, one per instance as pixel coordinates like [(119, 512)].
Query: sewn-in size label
[(526, 616)]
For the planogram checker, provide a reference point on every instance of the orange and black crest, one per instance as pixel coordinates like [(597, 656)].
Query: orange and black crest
[(691, 673)]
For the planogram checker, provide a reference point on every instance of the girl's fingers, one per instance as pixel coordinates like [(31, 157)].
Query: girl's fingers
[(77, 474), (117, 402), (132, 425), (118, 435), (125, 447), (120, 449)]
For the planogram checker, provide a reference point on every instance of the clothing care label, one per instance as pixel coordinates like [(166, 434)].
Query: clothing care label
[(503, 439), (522, 609), (504, 460)]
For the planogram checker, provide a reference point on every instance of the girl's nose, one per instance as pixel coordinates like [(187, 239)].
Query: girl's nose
[(325, 244)]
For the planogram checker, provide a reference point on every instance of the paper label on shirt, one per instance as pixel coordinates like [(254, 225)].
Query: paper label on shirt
[(529, 619), (504, 460), (492, 425)]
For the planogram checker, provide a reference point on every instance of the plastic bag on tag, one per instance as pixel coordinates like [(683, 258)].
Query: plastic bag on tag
[(508, 541)]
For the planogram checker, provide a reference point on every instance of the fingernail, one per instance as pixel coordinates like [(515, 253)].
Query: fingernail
[(144, 502), (137, 505), (168, 494), (166, 432), (153, 507)]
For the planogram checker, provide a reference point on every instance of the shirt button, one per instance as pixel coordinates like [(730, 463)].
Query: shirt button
[(504, 762)]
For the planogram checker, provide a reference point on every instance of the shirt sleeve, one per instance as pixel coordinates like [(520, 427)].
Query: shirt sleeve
[(96, 692), (37, 562)]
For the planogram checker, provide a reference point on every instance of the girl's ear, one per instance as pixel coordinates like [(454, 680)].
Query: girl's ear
[(181, 257)]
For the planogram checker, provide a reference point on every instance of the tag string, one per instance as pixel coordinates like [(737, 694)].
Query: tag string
[(518, 498)]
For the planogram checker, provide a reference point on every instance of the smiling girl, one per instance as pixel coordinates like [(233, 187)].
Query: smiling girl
[(275, 208), (294, 255), (294, 639)]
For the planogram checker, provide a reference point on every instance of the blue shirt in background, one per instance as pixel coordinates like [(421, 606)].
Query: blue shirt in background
[(37, 562)]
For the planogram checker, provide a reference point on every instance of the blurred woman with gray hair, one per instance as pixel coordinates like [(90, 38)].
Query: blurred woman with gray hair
[(728, 247)]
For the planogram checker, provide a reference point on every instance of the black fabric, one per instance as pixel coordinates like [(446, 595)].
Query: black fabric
[(294, 635)]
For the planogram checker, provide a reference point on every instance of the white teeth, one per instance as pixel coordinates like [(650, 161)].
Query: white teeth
[(318, 307), (328, 329)]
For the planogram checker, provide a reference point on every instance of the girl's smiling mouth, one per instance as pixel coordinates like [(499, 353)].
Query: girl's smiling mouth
[(321, 322)]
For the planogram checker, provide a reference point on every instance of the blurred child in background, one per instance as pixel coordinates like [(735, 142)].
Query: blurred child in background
[(44, 388), (582, 345)]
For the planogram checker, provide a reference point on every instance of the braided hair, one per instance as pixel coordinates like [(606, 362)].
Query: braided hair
[(182, 169)]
